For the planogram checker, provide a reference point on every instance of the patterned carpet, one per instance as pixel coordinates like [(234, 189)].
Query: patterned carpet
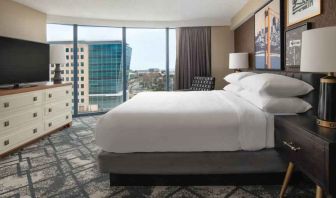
[(63, 165)]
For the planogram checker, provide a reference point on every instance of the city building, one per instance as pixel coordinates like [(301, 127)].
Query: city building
[(83, 72), (105, 73), (99, 73)]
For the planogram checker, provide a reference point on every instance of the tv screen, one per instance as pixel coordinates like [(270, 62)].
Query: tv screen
[(23, 61)]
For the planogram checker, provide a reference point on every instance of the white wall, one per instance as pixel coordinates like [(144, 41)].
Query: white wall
[(19, 21), (246, 12)]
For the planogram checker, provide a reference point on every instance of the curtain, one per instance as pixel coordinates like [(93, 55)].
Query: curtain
[(193, 55)]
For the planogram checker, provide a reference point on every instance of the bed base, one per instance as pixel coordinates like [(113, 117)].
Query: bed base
[(193, 168), (202, 180)]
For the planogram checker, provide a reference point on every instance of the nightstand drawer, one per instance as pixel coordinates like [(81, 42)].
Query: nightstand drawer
[(303, 149)]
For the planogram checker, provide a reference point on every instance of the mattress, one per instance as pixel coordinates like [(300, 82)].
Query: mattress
[(190, 121)]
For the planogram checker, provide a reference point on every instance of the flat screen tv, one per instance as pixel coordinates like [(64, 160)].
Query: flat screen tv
[(23, 61)]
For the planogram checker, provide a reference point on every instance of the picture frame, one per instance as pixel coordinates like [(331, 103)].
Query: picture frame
[(269, 36), (293, 39), (301, 10)]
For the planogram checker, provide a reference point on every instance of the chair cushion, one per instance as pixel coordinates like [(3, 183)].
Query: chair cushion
[(203, 83)]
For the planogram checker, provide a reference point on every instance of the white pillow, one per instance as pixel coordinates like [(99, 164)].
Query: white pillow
[(237, 76), (233, 88), (276, 105), (276, 85)]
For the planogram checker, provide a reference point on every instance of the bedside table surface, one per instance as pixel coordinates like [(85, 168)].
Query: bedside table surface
[(308, 123)]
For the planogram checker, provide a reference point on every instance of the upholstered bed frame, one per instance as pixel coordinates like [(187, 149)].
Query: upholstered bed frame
[(202, 167)]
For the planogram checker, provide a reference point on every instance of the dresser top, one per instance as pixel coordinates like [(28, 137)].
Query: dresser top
[(41, 86), (308, 123)]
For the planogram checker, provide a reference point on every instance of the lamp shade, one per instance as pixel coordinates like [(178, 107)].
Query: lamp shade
[(57, 54), (238, 61), (319, 50)]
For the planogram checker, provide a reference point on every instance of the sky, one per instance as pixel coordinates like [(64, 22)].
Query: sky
[(148, 45)]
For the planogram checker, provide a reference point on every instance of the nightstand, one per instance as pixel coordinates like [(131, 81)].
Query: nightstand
[(309, 148)]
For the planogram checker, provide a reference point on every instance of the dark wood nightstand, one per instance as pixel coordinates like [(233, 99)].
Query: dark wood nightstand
[(310, 148)]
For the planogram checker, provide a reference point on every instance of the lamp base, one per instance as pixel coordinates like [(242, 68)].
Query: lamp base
[(58, 76), (326, 114), (327, 124)]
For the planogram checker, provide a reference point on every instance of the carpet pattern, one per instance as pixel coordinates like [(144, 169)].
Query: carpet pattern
[(64, 165)]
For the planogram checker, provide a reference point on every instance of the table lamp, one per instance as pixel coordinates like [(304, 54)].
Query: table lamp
[(238, 61), (319, 55), (57, 57)]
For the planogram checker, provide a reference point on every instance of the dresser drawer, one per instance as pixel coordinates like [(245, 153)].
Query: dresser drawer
[(12, 102), (12, 120), (58, 94), (303, 149), (58, 121), (57, 108), (20, 136)]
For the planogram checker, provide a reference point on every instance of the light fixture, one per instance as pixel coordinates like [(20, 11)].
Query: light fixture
[(319, 55), (57, 57), (238, 61)]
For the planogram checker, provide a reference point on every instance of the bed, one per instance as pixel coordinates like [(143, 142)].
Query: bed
[(190, 133)]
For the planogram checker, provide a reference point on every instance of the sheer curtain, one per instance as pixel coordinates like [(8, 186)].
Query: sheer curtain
[(193, 55)]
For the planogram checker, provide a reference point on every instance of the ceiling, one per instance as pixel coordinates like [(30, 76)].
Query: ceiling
[(212, 11)]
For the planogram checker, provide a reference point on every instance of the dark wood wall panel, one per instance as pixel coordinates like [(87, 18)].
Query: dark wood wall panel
[(244, 39), (244, 34)]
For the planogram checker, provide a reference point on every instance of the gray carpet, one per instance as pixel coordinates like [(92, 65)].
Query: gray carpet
[(64, 165)]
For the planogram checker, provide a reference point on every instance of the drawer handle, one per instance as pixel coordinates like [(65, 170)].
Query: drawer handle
[(50, 110), (6, 104), (50, 124), (35, 98), (6, 142), (6, 124), (50, 95), (35, 130), (66, 117), (34, 115), (291, 146), (67, 104), (67, 92)]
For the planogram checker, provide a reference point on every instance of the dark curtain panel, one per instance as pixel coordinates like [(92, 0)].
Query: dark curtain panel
[(193, 55)]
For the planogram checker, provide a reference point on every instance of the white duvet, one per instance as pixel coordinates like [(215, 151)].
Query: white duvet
[(185, 122)]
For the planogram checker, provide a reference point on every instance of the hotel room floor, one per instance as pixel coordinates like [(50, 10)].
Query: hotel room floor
[(64, 165)]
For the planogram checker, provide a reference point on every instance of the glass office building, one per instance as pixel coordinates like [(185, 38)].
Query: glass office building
[(106, 73)]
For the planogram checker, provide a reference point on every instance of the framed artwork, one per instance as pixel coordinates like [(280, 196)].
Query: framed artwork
[(268, 36), (293, 47), (300, 10)]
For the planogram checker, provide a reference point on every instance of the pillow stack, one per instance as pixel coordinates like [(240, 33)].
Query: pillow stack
[(270, 92)]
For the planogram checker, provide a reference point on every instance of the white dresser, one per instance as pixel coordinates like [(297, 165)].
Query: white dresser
[(27, 114)]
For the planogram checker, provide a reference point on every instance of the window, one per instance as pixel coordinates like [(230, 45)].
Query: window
[(102, 63), (172, 57), (148, 63), (100, 69)]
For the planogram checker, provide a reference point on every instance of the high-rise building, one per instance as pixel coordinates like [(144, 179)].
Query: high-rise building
[(100, 82), (83, 71), (106, 73)]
